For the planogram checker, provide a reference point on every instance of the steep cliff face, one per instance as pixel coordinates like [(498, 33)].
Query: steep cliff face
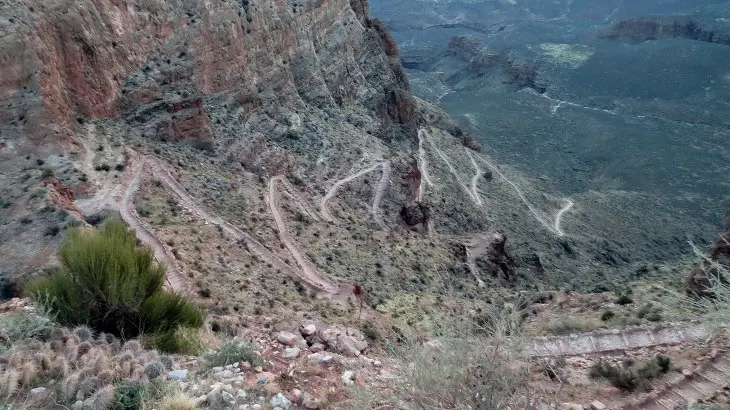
[(64, 59), (653, 28), (272, 85)]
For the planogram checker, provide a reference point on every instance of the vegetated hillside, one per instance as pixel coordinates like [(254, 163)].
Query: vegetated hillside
[(263, 148), (544, 87)]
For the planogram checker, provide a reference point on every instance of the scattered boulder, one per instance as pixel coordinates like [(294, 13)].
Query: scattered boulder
[(178, 375), (348, 377), (289, 339), (281, 401), (308, 330), (309, 402), (597, 405), (291, 352), (416, 214)]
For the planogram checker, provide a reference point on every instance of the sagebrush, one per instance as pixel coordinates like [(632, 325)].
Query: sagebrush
[(110, 283)]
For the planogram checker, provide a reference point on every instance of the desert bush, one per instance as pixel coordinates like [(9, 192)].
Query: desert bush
[(113, 285), (128, 395), (466, 367), (177, 402), (618, 376), (231, 353), (21, 325), (569, 325), (626, 378), (655, 367), (715, 307), (183, 340)]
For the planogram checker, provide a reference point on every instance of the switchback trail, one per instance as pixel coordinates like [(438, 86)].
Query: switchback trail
[(568, 206), (324, 210), (473, 191), (174, 275), (472, 194), (707, 379), (618, 340), (303, 204), (378, 197), (308, 270), (422, 165), (237, 234)]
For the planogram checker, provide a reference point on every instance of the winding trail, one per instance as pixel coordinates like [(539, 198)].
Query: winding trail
[(301, 202), (308, 270), (324, 209), (617, 340), (478, 173), (174, 275), (378, 197), (568, 206), (473, 191), (701, 383), (472, 194), (422, 165), (237, 234)]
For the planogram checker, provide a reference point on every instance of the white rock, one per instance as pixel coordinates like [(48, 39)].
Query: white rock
[(200, 400), (241, 394), (227, 397), (38, 390), (348, 377), (225, 374), (217, 369), (281, 401), (291, 352), (597, 405), (308, 330), (178, 374), (256, 407), (287, 338), (309, 402)]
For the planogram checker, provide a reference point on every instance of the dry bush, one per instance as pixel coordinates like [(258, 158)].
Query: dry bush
[(75, 365), (177, 401), (472, 364)]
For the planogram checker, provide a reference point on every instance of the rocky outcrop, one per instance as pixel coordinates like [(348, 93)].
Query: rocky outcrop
[(61, 196), (520, 73), (417, 214), (485, 253), (160, 63), (655, 28)]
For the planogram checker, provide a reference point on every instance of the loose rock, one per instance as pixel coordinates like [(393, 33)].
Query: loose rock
[(281, 401)]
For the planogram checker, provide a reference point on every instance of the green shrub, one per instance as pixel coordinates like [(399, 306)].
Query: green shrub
[(625, 378), (624, 299), (128, 395), (183, 340), (620, 377), (655, 367), (607, 315), (231, 353), (570, 325), (113, 285)]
